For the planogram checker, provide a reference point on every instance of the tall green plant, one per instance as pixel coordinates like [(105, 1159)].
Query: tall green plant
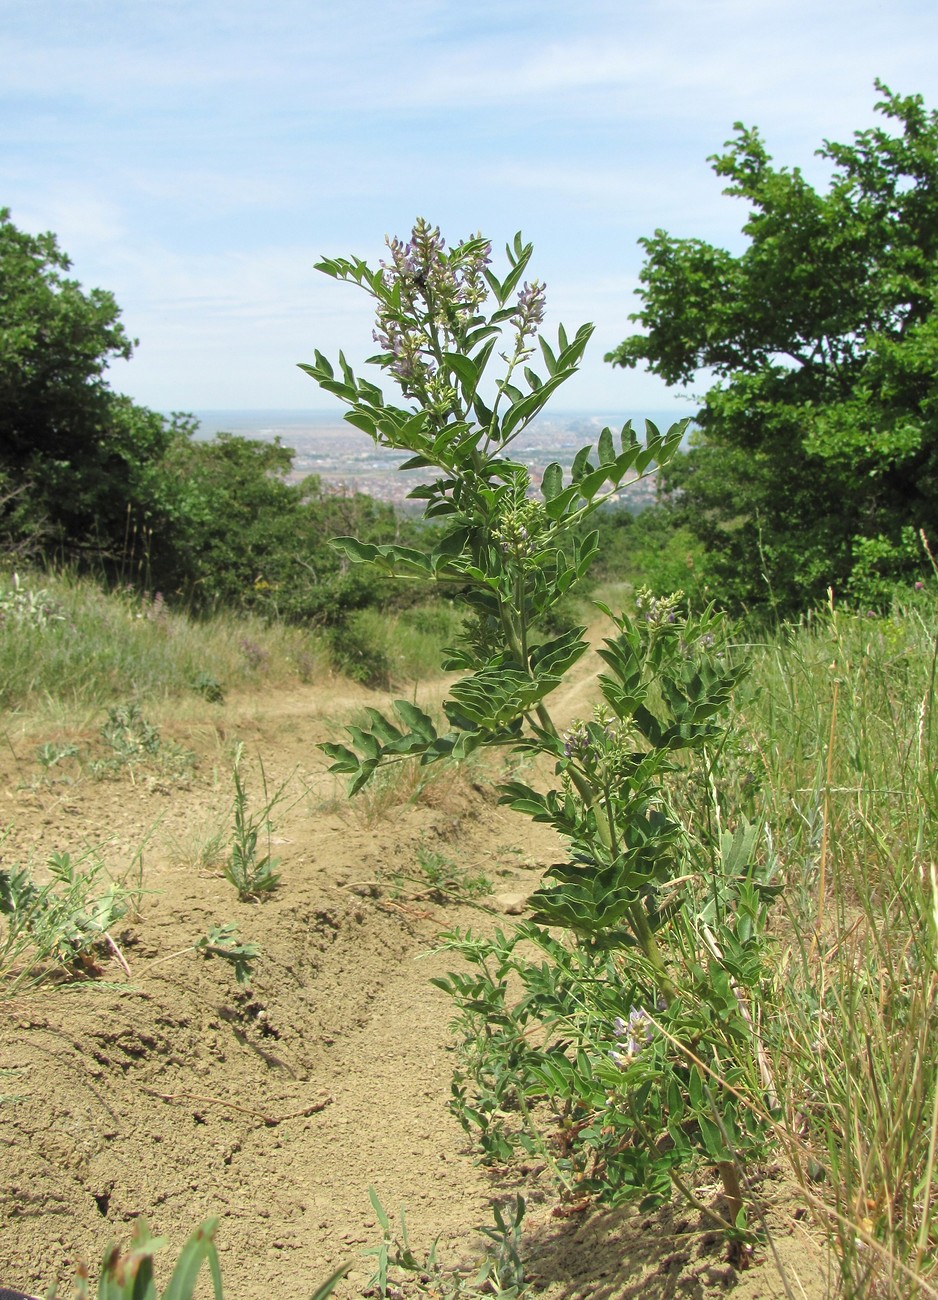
[(627, 896)]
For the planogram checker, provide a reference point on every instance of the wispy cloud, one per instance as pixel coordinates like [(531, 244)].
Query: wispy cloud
[(197, 158)]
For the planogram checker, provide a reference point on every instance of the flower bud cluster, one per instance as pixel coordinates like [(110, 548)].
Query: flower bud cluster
[(633, 1034), (519, 529), (702, 645), (604, 739), (657, 610), (576, 741), (407, 347)]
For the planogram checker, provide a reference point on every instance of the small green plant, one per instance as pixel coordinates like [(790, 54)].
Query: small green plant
[(439, 877), (501, 1273), (129, 1275), (204, 847), (252, 872), (621, 1103), (133, 743), (29, 607), (129, 733), (50, 754), (223, 941), (355, 652), (58, 926), (209, 687)]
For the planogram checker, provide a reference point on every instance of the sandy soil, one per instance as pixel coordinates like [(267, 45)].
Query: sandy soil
[(178, 1093)]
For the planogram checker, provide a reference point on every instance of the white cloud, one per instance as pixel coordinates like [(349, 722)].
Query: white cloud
[(196, 159)]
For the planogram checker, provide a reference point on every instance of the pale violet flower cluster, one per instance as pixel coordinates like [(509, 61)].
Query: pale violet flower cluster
[(441, 289), (633, 1034), (607, 740), (434, 305), (529, 313), (576, 741)]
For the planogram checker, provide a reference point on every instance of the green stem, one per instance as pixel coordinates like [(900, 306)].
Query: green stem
[(610, 819), (522, 620), (519, 355), (649, 946), (687, 1192)]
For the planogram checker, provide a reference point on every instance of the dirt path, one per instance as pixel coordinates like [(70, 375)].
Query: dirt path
[(179, 1093)]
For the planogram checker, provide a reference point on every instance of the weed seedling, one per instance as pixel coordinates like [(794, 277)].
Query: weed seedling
[(438, 877), (129, 1275), (59, 925), (252, 872), (501, 1273), (223, 941)]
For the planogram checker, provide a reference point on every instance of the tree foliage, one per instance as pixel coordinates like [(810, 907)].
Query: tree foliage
[(75, 453), (236, 532), (817, 459), (90, 477)]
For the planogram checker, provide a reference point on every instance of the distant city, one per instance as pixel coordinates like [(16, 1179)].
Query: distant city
[(346, 460)]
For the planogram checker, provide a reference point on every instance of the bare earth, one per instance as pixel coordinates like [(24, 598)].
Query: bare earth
[(177, 1093)]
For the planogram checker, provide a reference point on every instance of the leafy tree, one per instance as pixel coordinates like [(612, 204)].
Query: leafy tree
[(88, 475), (74, 454), (817, 459), (236, 532)]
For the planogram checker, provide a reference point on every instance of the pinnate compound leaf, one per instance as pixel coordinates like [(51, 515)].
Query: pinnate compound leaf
[(526, 408), (589, 898), (521, 798), (397, 561), (362, 420), (550, 360), (385, 731), (465, 370), (344, 760), (366, 772), (360, 552), (582, 464)]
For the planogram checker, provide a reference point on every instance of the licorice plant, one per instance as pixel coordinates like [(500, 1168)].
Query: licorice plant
[(632, 1050)]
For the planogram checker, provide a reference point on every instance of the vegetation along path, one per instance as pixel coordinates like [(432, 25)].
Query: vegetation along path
[(167, 1088)]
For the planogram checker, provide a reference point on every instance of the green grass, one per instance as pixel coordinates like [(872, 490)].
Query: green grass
[(392, 651), (91, 648), (838, 753)]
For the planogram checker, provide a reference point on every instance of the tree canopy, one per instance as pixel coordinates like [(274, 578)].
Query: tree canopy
[(76, 454), (817, 458), (90, 477)]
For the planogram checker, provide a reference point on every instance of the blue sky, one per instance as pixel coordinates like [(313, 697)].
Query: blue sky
[(196, 157)]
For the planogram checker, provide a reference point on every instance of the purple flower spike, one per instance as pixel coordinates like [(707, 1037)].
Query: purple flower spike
[(633, 1034)]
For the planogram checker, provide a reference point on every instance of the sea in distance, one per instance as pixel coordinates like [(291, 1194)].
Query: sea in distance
[(346, 460)]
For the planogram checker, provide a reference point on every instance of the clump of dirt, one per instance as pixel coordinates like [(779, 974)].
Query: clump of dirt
[(178, 1093)]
